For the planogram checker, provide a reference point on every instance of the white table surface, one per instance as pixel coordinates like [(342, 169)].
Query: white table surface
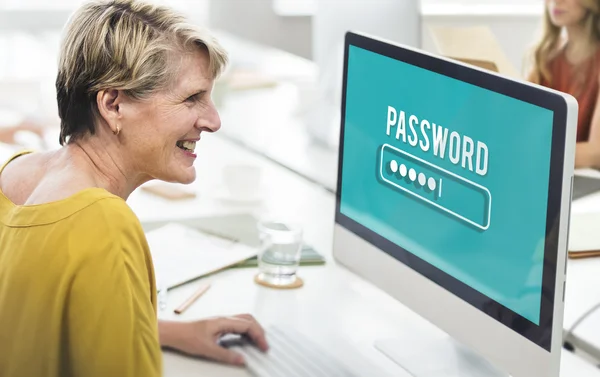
[(583, 283), (337, 309)]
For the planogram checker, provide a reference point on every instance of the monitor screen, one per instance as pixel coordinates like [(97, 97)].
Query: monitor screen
[(452, 179)]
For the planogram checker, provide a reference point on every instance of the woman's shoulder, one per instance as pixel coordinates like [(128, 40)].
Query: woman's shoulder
[(7, 161), (18, 170), (107, 228), (110, 213), (10, 153)]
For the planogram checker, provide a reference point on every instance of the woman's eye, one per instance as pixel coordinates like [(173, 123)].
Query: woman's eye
[(195, 97)]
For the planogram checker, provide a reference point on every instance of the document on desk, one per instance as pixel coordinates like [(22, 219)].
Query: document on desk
[(181, 254), (584, 239)]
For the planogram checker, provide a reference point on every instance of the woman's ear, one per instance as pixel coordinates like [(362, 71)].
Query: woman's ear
[(109, 102)]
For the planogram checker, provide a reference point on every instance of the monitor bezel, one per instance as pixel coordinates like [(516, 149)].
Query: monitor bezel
[(540, 335)]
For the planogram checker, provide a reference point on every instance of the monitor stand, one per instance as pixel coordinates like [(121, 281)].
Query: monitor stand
[(442, 357)]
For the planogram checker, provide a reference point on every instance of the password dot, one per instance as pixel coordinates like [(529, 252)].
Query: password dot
[(412, 174), (422, 179), (394, 166), (403, 170), (431, 183)]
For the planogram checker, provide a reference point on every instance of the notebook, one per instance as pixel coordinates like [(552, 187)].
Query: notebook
[(584, 235), (241, 228), (181, 254), (308, 257)]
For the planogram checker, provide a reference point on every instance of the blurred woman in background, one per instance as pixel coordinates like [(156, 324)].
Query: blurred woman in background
[(567, 58)]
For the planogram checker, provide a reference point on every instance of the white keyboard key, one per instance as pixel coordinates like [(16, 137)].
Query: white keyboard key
[(290, 355)]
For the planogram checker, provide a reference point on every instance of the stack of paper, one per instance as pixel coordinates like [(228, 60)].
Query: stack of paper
[(584, 236), (181, 254)]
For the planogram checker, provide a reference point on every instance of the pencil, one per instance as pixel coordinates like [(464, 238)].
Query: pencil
[(201, 290), (584, 254)]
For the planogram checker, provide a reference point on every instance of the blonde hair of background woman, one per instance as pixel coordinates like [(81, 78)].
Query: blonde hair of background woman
[(551, 40)]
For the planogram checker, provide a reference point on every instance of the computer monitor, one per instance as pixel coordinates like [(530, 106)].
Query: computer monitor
[(453, 196)]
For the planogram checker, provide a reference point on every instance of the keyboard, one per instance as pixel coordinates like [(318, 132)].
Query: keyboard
[(290, 354)]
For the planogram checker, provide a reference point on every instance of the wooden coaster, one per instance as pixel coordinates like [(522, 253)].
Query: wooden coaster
[(296, 284)]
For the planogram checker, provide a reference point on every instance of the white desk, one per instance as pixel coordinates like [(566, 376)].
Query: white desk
[(583, 280), (337, 309)]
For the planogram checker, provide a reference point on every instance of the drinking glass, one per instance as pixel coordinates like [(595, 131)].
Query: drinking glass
[(279, 252)]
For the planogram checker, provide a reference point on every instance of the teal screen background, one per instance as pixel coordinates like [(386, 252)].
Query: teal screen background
[(503, 262)]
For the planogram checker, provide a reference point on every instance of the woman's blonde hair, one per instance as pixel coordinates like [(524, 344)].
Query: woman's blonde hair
[(551, 42), (128, 45)]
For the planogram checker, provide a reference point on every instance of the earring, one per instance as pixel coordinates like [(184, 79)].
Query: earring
[(117, 131)]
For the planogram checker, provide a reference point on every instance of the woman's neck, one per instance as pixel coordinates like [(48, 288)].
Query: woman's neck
[(98, 161), (579, 45)]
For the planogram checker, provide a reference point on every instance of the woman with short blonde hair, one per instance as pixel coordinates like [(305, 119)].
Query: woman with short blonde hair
[(77, 285)]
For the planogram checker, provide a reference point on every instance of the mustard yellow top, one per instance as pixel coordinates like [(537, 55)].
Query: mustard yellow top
[(77, 290)]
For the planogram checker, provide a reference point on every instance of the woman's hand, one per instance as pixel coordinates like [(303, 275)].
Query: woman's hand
[(199, 338)]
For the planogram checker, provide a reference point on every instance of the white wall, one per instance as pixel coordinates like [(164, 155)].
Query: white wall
[(257, 20), (29, 41), (515, 23), (516, 26)]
